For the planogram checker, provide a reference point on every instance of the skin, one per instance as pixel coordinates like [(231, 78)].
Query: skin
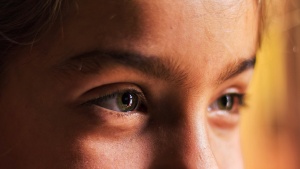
[(188, 51)]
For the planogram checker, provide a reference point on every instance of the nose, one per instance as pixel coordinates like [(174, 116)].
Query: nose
[(183, 144)]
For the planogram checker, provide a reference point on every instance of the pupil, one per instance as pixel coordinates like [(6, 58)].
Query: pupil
[(127, 99), (226, 102)]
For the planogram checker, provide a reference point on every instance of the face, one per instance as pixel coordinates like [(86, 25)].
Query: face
[(131, 84)]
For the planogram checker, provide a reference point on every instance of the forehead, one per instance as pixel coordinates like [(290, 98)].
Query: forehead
[(164, 24), (191, 32)]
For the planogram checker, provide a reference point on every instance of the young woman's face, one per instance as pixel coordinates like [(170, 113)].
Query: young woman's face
[(131, 84)]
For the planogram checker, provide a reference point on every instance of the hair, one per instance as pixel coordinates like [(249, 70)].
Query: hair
[(22, 22)]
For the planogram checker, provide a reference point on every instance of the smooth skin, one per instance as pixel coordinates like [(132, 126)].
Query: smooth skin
[(60, 98)]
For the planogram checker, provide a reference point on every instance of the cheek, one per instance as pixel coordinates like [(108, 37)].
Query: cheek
[(47, 139), (135, 152), (226, 148)]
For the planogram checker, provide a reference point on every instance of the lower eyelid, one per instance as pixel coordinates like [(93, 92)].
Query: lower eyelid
[(222, 119), (99, 111), (225, 119), (114, 125), (98, 116)]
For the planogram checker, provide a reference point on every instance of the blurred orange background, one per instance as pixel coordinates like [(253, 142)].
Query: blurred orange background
[(270, 121)]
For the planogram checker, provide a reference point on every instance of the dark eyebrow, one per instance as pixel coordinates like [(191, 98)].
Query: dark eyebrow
[(233, 69), (166, 69), (95, 61)]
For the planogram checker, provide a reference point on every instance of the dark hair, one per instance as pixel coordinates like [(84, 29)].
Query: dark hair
[(23, 21)]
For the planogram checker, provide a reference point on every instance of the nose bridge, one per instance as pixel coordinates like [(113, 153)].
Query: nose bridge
[(196, 148), (185, 144)]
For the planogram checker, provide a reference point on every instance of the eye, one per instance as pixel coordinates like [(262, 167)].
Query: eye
[(228, 103), (121, 101)]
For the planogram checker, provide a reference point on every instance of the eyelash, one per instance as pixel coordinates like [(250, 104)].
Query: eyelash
[(140, 98), (112, 102), (236, 99)]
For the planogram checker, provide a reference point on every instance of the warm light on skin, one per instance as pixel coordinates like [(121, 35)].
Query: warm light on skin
[(47, 119)]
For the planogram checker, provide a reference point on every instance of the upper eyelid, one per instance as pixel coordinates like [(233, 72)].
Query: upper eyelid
[(107, 89), (109, 95), (120, 92), (235, 94), (228, 90)]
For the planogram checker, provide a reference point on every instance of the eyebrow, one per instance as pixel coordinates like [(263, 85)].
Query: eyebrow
[(95, 61), (236, 68), (161, 68)]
